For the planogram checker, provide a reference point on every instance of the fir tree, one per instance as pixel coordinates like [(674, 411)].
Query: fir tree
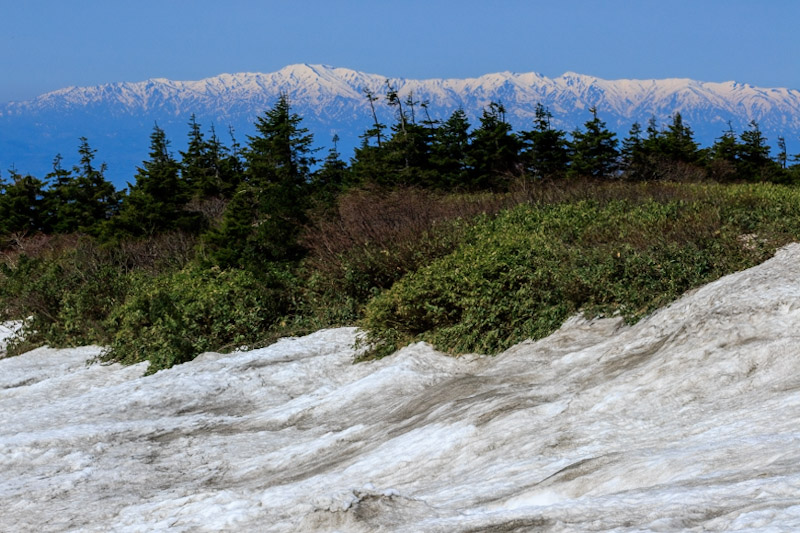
[(594, 150), (406, 154), (330, 179), (377, 128), (450, 150), (781, 157), (83, 200), (58, 199), (156, 201), (197, 167), (544, 152), (208, 168), (724, 156), (494, 151), (754, 161), (22, 209), (281, 152), (679, 143), (269, 205), (633, 156)]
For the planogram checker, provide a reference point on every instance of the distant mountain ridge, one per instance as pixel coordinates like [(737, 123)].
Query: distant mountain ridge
[(118, 117)]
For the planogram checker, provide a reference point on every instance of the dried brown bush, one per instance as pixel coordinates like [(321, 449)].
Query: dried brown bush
[(155, 254), (36, 246), (373, 236)]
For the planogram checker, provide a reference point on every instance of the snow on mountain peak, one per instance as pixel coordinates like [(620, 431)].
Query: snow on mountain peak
[(331, 99), (305, 82)]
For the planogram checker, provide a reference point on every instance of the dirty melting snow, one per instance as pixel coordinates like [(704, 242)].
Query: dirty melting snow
[(687, 420)]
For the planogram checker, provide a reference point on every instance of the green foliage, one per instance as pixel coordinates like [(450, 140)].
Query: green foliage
[(64, 294), (545, 152), (449, 150), (208, 168), (493, 155), (87, 201), (285, 250), (593, 151), (264, 217), (521, 274), (754, 161), (156, 203), (669, 154), (22, 205), (330, 179), (634, 157), (77, 201), (373, 237), (171, 318), (748, 159)]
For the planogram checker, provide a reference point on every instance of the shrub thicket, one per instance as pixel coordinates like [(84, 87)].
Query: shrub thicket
[(63, 288), (171, 318), (521, 274), (374, 237)]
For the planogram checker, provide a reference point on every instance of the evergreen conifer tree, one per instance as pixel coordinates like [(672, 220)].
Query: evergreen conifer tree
[(544, 152), (22, 209), (724, 156), (494, 151), (679, 143), (269, 205), (156, 201), (208, 168), (594, 150), (58, 200), (781, 157), (754, 161), (330, 179), (450, 150), (197, 167), (406, 154), (633, 155), (83, 200)]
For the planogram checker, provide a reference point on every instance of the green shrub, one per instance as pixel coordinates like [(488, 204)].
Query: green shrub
[(171, 318), (63, 295), (521, 274)]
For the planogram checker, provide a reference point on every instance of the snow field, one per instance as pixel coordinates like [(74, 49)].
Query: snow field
[(685, 421)]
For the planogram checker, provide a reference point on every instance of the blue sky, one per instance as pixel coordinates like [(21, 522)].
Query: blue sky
[(49, 44)]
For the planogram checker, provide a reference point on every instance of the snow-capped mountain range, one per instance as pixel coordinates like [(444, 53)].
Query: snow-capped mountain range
[(117, 118)]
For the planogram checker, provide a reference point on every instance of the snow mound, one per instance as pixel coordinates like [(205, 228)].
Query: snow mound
[(686, 421)]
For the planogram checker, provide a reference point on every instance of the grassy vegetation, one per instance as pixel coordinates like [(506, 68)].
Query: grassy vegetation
[(468, 273)]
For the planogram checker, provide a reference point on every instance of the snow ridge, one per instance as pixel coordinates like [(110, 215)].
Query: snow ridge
[(317, 85), (119, 116)]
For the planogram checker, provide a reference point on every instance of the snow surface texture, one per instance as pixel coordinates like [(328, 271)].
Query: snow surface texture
[(686, 421)]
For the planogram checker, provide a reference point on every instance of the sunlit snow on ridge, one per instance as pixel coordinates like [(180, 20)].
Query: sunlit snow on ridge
[(685, 421)]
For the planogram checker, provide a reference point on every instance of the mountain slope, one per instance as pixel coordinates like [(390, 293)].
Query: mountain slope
[(684, 421), (118, 117)]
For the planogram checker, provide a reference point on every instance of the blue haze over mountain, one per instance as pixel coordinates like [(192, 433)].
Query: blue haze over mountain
[(118, 118)]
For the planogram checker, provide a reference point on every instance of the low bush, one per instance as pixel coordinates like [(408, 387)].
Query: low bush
[(171, 318), (456, 270), (63, 293), (521, 274)]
